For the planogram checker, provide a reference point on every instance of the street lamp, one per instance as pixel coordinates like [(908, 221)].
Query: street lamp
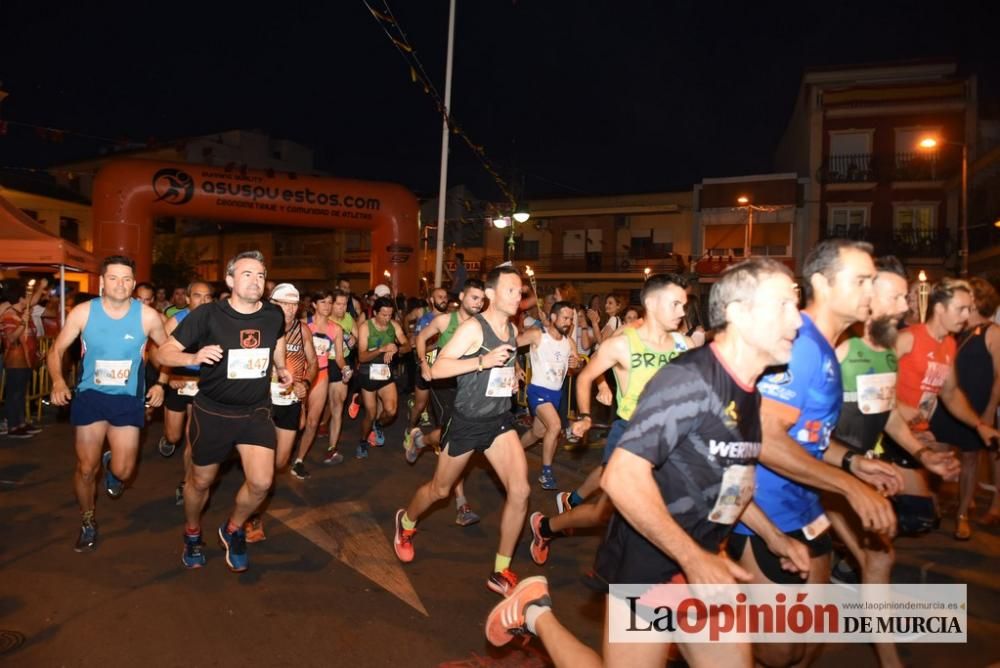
[(646, 273), (744, 201), (932, 143), (520, 216)]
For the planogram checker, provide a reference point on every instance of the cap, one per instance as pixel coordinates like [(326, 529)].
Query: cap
[(382, 290), (285, 292)]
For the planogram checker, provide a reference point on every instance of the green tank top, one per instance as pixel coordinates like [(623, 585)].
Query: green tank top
[(380, 337), (644, 362), (449, 331), (347, 324), (863, 361)]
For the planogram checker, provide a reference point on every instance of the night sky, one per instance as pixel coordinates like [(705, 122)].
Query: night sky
[(572, 97)]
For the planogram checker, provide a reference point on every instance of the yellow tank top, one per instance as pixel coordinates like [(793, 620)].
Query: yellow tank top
[(644, 362)]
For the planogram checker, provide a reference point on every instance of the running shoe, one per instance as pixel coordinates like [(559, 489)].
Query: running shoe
[(32, 428), (333, 457), (235, 545), (502, 582), (254, 529), (112, 485), (379, 434), (402, 542), (179, 494), (466, 517), (193, 555), (539, 545), (548, 480), (87, 540), (506, 620), (165, 447), (362, 451), (563, 504), (412, 443), (19, 432), (354, 407), (372, 441), (299, 470)]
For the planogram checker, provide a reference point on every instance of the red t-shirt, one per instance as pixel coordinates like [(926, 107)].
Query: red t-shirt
[(922, 372)]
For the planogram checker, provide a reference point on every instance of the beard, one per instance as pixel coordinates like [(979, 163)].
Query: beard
[(440, 307), (884, 331)]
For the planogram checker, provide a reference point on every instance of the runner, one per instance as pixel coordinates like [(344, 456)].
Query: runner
[(553, 353), (286, 401), (338, 390), (384, 339), (927, 354), (328, 342), (480, 356), (634, 355), (868, 369), (799, 411), (443, 391), (109, 396), (180, 385), (421, 393), (695, 432), (236, 341)]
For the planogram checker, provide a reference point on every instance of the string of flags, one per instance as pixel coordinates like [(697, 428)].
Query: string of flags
[(387, 21)]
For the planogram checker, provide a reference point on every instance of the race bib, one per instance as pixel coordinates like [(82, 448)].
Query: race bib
[(378, 372), (112, 372), (816, 528), (245, 363), (190, 389), (502, 383), (282, 396), (322, 345), (876, 393), (735, 493), (432, 356)]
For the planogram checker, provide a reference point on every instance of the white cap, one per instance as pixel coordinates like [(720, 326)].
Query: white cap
[(285, 292), (382, 290)]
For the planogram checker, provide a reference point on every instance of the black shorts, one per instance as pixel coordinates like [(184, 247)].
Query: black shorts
[(118, 410), (215, 430), (462, 434), (286, 417), (420, 383), (175, 402), (370, 385), (443, 402), (333, 372), (769, 563)]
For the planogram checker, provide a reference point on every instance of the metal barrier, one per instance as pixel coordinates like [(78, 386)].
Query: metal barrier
[(40, 385)]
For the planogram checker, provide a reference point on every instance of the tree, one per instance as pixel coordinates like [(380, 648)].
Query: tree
[(175, 260)]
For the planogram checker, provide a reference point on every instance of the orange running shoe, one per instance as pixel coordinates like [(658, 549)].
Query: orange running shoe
[(502, 582), (254, 529), (506, 620), (402, 542), (539, 544), (354, 408)]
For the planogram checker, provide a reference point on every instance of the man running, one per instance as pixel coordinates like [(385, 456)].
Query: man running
[(443, 391), (109, 396), (421, 392), (338, 390), (236, 341), (481, 357), (381, 339), (552, 353), (634, 355), (682, 474), (799, 411), (286, 401)]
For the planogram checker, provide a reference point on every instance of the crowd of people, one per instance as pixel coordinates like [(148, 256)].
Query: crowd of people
[(833, 406)]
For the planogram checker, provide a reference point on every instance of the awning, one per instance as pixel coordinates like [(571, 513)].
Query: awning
[(23, 242)]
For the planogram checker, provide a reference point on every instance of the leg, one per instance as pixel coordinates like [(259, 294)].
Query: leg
[(634, 654), (533, 435), (994, 510), (124, 445), (448, 471), (337, 395), (591, 484), (586, 516), (368, 399), (389, 398), (173, 425), (196, 489), (89, 443), (506, 456), (258, 467), (967, 481), (16, 389), (420, 400), (283, 453), (552, 429), (314, 411)]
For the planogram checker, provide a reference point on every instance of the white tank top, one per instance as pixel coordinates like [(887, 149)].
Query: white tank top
[(549, 361)]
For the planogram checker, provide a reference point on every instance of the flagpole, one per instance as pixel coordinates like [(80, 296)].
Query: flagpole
[(445, 131)]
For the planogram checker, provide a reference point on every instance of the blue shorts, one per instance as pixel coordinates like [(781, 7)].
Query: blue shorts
[(543, 395), (118, 410), (615, 434)]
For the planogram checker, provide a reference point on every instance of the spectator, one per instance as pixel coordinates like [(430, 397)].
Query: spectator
[(20, 358)]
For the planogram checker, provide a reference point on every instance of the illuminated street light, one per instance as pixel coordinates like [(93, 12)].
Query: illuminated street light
[(743, 199), (521, 213), (500, 222), (647, 271), (932, 143)]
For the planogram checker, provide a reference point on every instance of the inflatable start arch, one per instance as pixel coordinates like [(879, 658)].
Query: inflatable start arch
[(129, 193)]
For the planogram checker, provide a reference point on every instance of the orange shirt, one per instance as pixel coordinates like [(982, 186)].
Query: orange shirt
[(922, 372)]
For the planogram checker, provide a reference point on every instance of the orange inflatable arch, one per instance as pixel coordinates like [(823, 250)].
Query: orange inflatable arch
[(129, 193)]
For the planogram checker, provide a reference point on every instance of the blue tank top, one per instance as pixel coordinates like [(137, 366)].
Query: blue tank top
[(112, 352), (194, 369), (811, 385)]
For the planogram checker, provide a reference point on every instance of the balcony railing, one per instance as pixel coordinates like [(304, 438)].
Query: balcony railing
[(910, 242), (853, 168), (923, 166), (590, 263)]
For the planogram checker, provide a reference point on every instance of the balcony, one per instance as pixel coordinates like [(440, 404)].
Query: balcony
[(855, 168), (924, 166), (590, 263), (911, 242)]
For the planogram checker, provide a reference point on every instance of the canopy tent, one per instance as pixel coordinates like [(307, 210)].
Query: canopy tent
[(25, 243)]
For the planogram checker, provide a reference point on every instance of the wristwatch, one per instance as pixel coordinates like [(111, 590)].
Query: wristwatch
[(845, 463)]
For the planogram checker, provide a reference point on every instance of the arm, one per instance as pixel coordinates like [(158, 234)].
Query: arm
[(75, 322), (432, 329), (338, 350), (529, 337), (402, 340), (468, 338), (365, 356), (607, 356), (284, 375), (942, 463), (168, 328), (993, 345), (794, 555)]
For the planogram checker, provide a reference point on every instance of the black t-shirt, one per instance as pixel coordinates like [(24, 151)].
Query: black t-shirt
[(243, 376), (694, 422)]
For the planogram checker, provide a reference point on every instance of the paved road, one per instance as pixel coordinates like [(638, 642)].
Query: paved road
[(325, 588)]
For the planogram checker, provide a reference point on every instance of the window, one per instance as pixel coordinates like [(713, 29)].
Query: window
[(69, 229), (850, 157), (852, 142), (526, 249), (849, 222), (907, 139), (915, 224), (645, 247)]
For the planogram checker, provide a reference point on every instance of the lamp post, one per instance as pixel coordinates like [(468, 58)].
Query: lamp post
[(520, 216), (646, 272), (931, 144)]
